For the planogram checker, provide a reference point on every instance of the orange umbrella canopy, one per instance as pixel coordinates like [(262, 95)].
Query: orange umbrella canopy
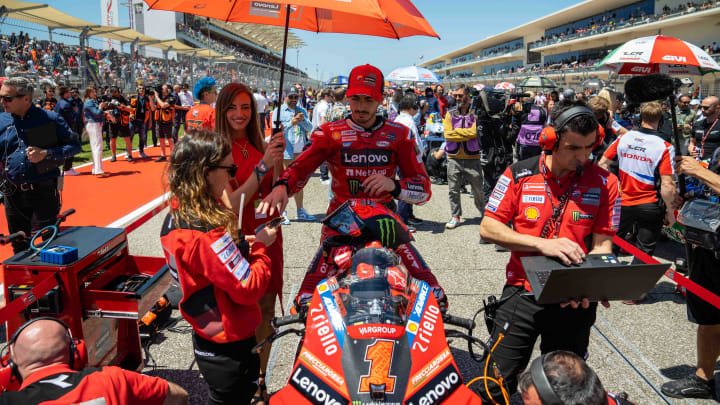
[(383, 18)]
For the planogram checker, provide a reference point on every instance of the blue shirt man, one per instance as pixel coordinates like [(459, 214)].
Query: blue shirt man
[(36, 142), (296, 125)]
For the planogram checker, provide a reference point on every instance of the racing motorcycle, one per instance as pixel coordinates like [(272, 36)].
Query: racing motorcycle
[(372, 333)]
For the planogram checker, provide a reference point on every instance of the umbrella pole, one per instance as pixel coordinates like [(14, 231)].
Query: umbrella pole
[(282, 67), (676, 139)]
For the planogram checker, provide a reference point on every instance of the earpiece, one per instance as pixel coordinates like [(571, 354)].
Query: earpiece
[(549, 139)]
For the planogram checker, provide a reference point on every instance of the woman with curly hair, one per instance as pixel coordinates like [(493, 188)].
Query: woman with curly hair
[(222, 279), (237, 120)]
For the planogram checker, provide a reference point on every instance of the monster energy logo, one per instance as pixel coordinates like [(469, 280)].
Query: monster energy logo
[(387, 231), (577, 216), (353, 186)]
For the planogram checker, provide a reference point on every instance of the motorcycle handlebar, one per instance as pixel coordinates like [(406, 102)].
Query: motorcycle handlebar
[(468, 324), (286, 320), (7, 239), (63, 215)]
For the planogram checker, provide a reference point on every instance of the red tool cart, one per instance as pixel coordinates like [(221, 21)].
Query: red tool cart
[(101, 295)]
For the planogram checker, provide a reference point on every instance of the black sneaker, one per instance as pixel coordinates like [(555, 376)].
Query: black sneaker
[(690, 386), (114, 158), (161, 159), (414, 221)]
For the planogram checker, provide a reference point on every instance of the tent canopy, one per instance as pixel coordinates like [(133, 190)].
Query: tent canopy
[(269, 37)]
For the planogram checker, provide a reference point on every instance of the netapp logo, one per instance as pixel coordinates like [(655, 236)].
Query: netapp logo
[(314, 389), (437, 389), (365, 157)]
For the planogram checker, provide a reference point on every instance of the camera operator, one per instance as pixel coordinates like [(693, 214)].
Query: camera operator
[(563, 376), (119, 123), (704, 265), (43, 352), (528, 122), (538, 196), (462, 146), (165, 116), (142, 106), (31, 169)]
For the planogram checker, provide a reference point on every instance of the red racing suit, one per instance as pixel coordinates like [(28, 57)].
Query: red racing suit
[(220, 287), (353, 154)]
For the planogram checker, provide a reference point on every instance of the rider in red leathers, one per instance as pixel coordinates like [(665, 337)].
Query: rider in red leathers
[(363, 153)]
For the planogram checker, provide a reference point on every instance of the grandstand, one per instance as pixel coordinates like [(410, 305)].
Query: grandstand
[(566, 45), (54, 48)]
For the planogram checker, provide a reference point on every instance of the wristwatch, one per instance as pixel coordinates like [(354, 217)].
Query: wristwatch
[(261, 167)]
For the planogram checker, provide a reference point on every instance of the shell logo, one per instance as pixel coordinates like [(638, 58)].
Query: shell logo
[(412, 327), (322, 287), (336, 135), (532, 213)]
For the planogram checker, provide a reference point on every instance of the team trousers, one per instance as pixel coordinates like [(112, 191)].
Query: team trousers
[(641, 225), (230, 369), (559, 329)]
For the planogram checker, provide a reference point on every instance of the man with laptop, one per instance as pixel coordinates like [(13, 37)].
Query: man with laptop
[(555, 202), (36, 143)]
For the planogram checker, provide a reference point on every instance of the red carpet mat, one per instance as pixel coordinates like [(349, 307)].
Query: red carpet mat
[(102, 201)]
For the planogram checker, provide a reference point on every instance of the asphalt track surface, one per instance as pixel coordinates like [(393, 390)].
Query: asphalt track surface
[(633, 348)]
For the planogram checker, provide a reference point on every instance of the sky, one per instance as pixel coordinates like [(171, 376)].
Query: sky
[(457, 22)]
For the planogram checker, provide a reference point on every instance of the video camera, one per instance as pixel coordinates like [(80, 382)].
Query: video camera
[(491, 103)]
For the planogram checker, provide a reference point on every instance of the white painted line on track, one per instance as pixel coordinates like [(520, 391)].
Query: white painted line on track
[(130, 219), (637, 352)]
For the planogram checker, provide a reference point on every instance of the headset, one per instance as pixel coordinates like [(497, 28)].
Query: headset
[(542, 385), (76, 346), (549, 138)]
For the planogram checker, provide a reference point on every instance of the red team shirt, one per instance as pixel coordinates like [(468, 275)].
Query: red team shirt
[(641, 156), (108, 385), (520, 197)]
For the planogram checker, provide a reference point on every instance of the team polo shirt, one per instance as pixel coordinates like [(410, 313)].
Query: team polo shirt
[(108, 385), (642, 156), (520, 198)]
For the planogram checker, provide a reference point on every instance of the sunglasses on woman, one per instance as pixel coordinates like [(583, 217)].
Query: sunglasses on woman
[(232, 169)]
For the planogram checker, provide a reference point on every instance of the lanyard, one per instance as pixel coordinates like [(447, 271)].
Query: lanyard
[(554, 222), (705, 135)]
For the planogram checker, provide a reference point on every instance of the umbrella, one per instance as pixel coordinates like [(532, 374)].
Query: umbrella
[(659, 54), (383, 18), (537, 81), (479, 86), (337, 81), (504, 86), (414, 74), (595, 84), (391, 85)]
